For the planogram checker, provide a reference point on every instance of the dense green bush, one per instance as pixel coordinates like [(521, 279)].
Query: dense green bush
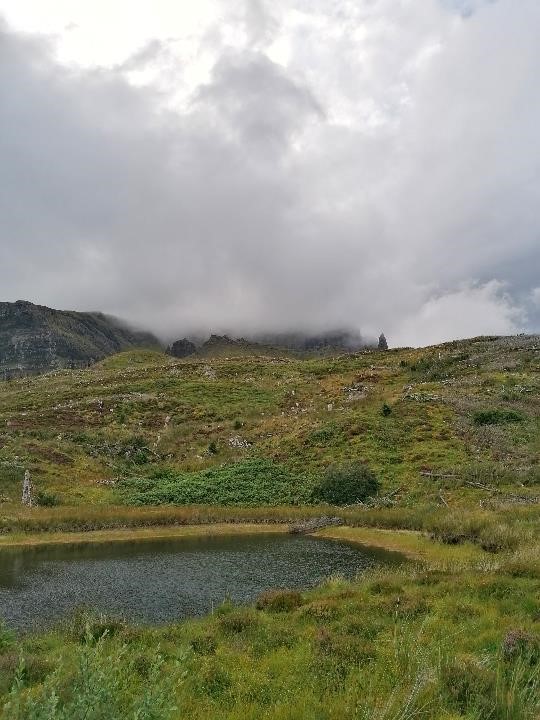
[(46, 499), (346, 484), (496, 417), (250, 482)]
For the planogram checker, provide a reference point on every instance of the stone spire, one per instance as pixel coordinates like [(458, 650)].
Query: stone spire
[(27, 489), (383, 345)]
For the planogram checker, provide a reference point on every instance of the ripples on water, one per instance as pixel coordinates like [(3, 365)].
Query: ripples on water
[(166, 580)]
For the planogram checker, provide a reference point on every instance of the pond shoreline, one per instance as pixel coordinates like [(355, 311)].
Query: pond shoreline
[(118, 535), (408, 543)]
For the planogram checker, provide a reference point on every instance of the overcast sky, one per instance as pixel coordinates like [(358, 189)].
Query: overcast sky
[(244, 165)]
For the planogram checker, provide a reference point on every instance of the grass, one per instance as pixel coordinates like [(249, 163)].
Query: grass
[(410, 543), (110, 517)]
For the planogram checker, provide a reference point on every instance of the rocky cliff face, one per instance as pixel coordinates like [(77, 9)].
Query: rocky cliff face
[(35, 339)]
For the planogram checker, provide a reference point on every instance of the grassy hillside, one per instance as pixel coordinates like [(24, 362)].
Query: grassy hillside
[(428, 422)]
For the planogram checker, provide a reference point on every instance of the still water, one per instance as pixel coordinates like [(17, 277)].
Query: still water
[(161, 581)]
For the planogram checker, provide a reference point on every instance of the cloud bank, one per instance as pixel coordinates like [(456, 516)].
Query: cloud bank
[(372, 165)]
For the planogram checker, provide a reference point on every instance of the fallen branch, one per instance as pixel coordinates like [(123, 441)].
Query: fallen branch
[(441, 498), (432, 474)]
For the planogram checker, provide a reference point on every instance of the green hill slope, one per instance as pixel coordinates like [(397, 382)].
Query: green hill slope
[(431, 423)]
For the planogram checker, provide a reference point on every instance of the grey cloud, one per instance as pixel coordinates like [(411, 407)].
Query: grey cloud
[(256, 102), (259, 208)]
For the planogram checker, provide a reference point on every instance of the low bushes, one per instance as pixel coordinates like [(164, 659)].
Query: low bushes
[(85, 626), (46, 499), (256, 481), (250, 482), (496, 417), (102, 684)]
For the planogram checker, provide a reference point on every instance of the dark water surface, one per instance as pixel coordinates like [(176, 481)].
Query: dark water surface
[(165, 580)]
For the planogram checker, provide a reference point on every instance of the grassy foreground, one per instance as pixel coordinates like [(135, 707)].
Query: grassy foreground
[(455, 634), (399, 644)]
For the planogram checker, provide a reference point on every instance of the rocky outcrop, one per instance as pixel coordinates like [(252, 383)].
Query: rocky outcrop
[(182, 348), (333, 341), (35, 339)]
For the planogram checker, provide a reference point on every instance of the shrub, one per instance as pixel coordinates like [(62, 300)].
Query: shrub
[(204, 644), (520, 643), (346, 484), (45, 499), (279, 600), (499, 537), (469, 685), (250, 482), (386, 410), (103, 686), (237, 621), (496, 417), (86, 626), (323, 435), (453, 529)]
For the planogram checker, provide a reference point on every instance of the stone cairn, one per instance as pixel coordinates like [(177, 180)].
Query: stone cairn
[(27, 489)]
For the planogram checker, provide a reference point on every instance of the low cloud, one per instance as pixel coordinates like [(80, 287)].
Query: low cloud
[(376, 168)]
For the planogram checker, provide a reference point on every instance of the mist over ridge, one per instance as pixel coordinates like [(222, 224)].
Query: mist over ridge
[(265, 182)]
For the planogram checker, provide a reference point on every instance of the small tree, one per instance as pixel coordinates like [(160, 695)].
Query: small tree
[(383, 345), (346, 484)]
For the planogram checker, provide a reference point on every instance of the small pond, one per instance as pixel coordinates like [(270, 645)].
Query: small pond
[(165, 580)]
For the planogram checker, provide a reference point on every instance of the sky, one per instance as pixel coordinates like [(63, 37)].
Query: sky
[(249, 166)]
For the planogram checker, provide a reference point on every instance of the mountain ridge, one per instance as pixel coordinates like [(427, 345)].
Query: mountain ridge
[(36, 338)]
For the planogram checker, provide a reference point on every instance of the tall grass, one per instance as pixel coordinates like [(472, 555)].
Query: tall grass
[(493, 530)]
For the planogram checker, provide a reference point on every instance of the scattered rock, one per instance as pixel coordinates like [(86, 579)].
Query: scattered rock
[(238, 442), (313, 524)]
